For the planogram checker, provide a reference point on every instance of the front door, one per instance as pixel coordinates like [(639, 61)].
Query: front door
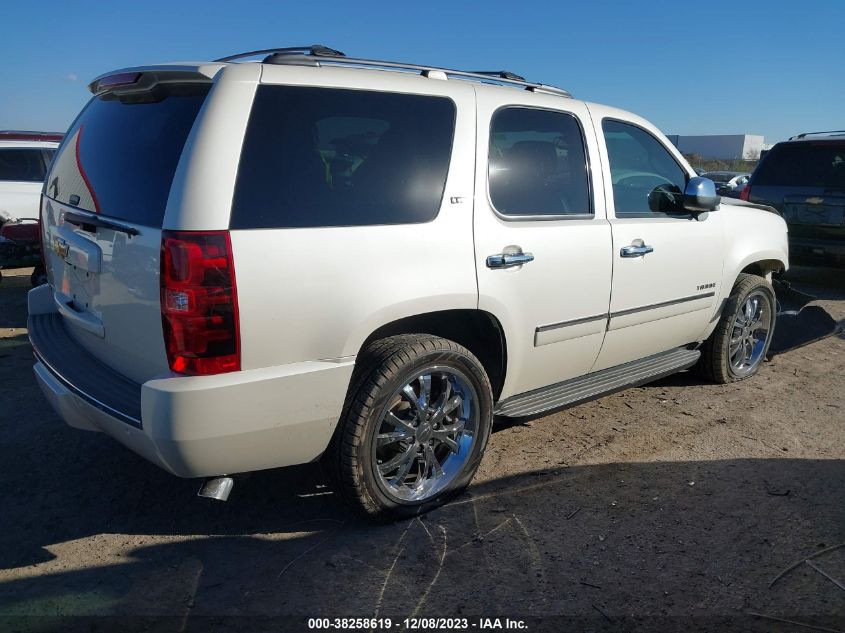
[(542, 241), (667, 263)]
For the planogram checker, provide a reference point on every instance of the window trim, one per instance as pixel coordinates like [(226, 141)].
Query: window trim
[(350, 88), (653, 214), (591, 215)]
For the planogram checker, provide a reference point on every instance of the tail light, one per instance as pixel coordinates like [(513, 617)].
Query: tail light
[(743, 195), (199, 302)]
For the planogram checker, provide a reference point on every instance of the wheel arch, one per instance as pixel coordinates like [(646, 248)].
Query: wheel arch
[(763, 267), (479, 331)]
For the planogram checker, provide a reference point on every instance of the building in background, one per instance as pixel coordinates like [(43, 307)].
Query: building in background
[(721, 146)]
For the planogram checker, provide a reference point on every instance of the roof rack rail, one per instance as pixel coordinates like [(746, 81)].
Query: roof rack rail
[(315, 50), (503, 74), (806, 134), (317, 54)]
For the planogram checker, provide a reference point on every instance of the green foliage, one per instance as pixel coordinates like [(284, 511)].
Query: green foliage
[(707, 164)]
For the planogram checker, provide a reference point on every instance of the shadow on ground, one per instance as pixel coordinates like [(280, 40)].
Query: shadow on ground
[(658, 540), (13, 303)]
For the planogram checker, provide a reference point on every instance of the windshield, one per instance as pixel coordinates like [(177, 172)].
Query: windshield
[(804, 164)]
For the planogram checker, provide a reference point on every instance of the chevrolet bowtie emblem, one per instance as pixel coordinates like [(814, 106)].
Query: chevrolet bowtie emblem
[(60, 247), (814, 200)]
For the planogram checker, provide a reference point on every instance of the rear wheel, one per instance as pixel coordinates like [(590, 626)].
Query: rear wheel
[(414, 427), (739, 343), (38, 276)]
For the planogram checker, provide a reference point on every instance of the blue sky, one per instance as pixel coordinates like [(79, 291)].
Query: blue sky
[(713, 67)]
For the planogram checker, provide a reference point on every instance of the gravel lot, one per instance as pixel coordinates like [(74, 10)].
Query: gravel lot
[(671, 506)]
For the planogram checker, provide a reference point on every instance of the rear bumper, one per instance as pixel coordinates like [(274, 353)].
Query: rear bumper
[(814, 247), (196, 426)]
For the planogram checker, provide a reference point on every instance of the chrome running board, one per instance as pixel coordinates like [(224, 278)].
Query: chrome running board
[(569, 392)]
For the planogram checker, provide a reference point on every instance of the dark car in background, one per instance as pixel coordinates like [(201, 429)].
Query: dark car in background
[(804, 179)]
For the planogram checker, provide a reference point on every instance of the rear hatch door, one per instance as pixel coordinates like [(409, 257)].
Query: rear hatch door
[(102, 210)]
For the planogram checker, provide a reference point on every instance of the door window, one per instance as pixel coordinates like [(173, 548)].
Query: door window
[(646, 178), (537, 163)]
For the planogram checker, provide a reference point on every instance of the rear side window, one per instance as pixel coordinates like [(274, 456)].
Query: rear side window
[(318, 157), (804, 164), (537, 164), (21, 165), (120, 156)]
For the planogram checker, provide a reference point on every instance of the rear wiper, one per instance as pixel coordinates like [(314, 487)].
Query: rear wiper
[(90, 222)]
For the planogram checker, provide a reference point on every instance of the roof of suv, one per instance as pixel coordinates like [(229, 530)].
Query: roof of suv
[(316, 56), (818, 136)]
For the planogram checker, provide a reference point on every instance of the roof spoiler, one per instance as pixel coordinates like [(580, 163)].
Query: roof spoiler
[(143, 78)]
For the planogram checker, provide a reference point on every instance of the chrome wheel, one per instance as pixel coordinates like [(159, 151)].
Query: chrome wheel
[(750, 335), (425, 435)]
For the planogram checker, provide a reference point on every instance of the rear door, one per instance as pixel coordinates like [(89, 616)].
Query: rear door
[(103, 208), (541, 236)]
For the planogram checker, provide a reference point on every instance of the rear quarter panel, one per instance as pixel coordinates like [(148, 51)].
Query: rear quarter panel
[(318, 293)]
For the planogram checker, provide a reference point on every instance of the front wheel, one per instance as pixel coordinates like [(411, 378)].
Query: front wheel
[(414, 427), (739, 343)]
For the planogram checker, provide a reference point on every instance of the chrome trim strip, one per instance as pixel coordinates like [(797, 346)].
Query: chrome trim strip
[(662, 304), (555, 326), (123, 417)]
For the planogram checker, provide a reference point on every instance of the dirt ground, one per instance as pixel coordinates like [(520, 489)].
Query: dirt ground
[(667, 507)]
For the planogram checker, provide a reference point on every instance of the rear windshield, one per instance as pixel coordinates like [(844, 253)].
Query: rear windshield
[(22, 165), (119, 157), (804, 164), (331, 157)]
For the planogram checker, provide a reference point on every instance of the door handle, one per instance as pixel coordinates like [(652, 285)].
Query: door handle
[(508, 260), (637, 249)]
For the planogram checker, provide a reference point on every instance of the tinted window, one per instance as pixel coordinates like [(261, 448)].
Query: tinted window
[(646, 178), (804, 164), (119, 157), (22, 165), (537, 164), (331, 157)]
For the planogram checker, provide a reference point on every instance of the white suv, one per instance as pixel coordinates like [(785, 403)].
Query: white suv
[(24, 159), (259, 264)]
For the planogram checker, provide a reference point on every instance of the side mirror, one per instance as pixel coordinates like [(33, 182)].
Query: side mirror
[(700, 195)]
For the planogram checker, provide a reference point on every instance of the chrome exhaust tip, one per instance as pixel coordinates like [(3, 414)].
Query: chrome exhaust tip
[(216, 488)]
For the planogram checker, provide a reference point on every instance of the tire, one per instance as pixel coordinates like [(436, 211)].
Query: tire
[(719, 353), (38, 276), (455, 429)]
